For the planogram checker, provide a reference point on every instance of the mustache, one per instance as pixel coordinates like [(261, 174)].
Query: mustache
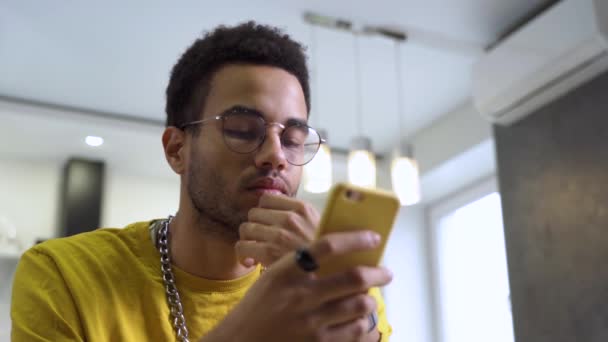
[(262, 173)]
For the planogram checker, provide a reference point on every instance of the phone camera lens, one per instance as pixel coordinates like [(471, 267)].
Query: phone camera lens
[(353, 195)]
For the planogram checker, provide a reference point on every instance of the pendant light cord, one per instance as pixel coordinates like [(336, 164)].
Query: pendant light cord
[(357, 68), (399, 87)]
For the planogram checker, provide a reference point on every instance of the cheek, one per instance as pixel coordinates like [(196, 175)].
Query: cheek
[(230, 167), (207, 162), (213, 172), (295, 178), (216, 156)]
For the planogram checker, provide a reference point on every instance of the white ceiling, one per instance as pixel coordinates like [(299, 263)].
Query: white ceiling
[(116, 56)]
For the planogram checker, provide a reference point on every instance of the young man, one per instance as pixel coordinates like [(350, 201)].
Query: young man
[(237, 135)]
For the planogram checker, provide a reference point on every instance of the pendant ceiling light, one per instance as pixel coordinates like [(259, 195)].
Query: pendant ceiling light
[(405, 174), (317, 176), (361, 160)]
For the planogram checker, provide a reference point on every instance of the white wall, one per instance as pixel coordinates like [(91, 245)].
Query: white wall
[(129, 198), (407, 297), (450, 135), (29, 195)]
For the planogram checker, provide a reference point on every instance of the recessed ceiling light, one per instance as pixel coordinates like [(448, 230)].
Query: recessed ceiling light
[(94, 141)]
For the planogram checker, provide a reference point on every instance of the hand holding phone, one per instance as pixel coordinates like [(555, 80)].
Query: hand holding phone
[(351, 208)]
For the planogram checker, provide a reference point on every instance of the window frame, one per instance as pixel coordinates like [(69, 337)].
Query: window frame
[(434, 213)]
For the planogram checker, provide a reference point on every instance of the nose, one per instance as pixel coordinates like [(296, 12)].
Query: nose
[(270, 154)]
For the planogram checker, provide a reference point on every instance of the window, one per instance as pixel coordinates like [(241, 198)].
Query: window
[(470, 268)]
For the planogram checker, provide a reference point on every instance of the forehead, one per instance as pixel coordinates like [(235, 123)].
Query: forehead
[(272, 91)]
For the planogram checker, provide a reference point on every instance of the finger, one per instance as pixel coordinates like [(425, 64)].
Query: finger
[(336, 245), (269, 216), (347, 309), (285, 239), (262, 252), (287, 219), (354, 330), (280, 202), (277, 202), (350, 282)]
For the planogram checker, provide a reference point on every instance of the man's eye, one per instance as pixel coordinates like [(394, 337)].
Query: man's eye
[(293, 143), (294, 137), (238, 134)]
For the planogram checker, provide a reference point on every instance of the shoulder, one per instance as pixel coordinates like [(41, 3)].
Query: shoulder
[(93, 249), (100, 239)]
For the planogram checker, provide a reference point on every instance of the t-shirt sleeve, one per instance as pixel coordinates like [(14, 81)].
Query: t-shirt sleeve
[(42, 308), (383, 326)]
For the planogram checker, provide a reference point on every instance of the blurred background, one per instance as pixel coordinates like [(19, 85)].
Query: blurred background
[(475, 95)]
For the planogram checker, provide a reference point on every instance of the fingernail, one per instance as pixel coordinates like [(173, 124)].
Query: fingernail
[(375, 238)]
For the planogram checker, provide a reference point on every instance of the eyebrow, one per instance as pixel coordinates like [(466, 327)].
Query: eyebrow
[(253, 111)]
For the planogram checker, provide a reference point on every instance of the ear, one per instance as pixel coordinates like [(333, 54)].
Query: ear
[(175, 146)]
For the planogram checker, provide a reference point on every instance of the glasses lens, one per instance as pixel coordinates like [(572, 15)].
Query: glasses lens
[(300, 144), (243, 133)]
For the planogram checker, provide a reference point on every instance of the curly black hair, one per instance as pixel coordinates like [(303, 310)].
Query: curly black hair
[(247, 43)]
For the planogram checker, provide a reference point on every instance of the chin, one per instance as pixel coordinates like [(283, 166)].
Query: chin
[(248, 199)]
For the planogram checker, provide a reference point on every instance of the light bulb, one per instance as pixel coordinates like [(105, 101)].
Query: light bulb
[(318, 173), (406, 180), (362, 168)]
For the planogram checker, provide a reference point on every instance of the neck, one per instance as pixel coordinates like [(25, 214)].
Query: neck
[(205, 255)]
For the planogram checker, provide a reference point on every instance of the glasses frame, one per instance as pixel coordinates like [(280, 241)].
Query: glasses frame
[(222, 117)]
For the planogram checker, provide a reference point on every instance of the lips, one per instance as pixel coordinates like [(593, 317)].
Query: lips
[(268, 185)]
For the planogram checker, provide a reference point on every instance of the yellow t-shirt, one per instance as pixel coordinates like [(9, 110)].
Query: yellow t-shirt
[(106, 285)]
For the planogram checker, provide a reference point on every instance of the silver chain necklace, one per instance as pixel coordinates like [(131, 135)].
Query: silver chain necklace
[(173, 299)]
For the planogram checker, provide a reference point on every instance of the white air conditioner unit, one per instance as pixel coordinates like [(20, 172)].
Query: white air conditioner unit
[(547, 57)]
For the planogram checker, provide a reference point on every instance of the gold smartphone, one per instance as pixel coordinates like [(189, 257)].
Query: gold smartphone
[(350, 207)]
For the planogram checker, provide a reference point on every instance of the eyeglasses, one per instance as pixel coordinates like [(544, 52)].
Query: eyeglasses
[(244, 132)]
